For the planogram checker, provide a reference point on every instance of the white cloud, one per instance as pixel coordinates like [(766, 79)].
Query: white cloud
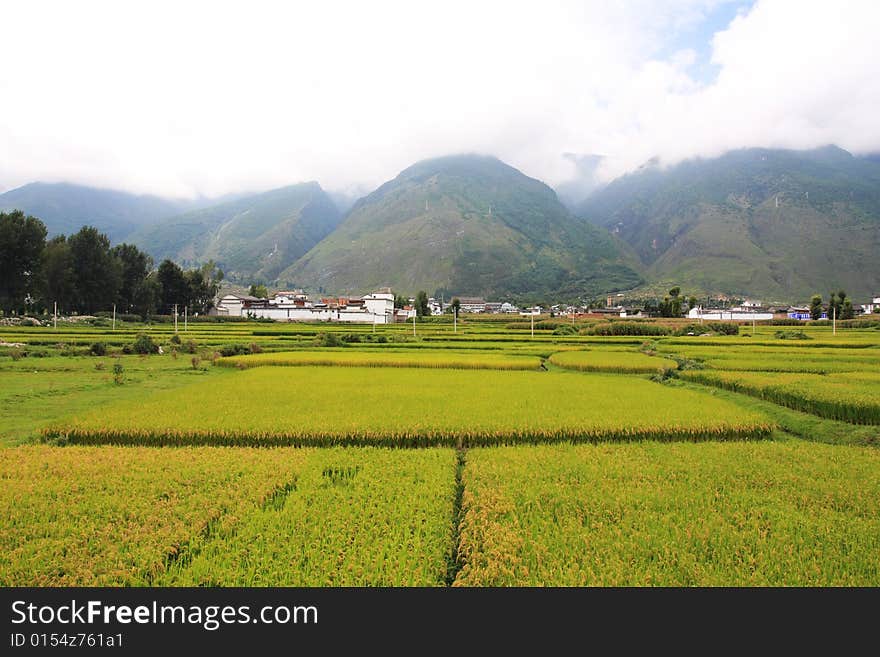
[(211, 97)]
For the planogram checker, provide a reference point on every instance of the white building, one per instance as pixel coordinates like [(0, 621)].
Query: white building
[(735, 315), (376, 308)]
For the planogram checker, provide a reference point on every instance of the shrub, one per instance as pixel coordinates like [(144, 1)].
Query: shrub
[(626, 328), (190, 346), (565, 329), (127, 349), (722, 328), (195, 360), (255, 348), (327, 340), (98, 349), (17, 354), (791, 335), (143, 344), (175, 339), (99, 366), (118, 373), (234, 350)]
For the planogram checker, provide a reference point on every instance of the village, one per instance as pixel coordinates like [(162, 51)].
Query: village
[(379, 308)]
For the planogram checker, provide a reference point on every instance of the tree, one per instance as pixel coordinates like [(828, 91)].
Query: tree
[(671, 304), (692, 302), (258, 291), (147, 295), (203, 284), (97, 275), (22, 240), (56, 275), (173, 287), (400, 301), (134, 266), (839, 306), (422, 309), (816, 307), (455, 305)]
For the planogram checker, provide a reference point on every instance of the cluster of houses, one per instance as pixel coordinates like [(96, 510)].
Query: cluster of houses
[(378, 308), (375, 308), (291, 306)]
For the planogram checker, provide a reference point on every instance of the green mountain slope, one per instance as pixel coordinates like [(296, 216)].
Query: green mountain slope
[(467, 225), (251, 238), (773, 223), (65, 208)]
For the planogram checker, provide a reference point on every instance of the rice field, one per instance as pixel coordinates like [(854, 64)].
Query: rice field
[(628, 362), (356, 517), (327, 406), (353, 358), (650, 514), (850, 397), (89, 516), (547, 460)]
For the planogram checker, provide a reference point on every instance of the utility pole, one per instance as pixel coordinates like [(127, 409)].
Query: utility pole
[(175, 318), (834, 322), (414, 325), (55, 315), (455, 320), (114, 316), (185, 309), (532, 315)]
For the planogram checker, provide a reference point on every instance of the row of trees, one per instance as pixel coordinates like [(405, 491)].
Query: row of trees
[(84, 273), (839, 306)]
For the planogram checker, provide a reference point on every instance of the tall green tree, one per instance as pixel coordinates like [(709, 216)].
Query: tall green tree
[(839, 306), (56, 275), (400, 301), (816, 307), (422, 309), (147, 295), (671, 304), (204, 283), (22, 240), (456, 306), (97, 274), (258, 291), (134, 266), (173, 287)]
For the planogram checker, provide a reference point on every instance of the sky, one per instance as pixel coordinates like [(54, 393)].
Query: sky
[(209, 98)]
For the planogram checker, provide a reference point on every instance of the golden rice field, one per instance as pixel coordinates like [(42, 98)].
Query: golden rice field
[(198, 470), (355, 517), (651, 514), (629, 362), (322, 406), (385, 358), (850, 397), (105, 516)]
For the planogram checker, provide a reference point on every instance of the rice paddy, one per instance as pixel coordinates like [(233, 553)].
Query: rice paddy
[(263, 454)]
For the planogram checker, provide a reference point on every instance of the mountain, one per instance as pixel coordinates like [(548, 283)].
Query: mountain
[(65, 208), (467, 225), (779, 224), (252, 238), (585, 181)]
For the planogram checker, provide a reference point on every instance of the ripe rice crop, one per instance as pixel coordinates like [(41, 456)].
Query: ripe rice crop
[(711, 514), (356, 517), (851, 397), (611, 361), (86, 516), (354, 358), (329, 406)]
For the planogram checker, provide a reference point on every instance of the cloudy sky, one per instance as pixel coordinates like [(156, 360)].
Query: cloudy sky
[(206, 98)]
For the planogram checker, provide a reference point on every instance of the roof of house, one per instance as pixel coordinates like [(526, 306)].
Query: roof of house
[(242, 297)]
